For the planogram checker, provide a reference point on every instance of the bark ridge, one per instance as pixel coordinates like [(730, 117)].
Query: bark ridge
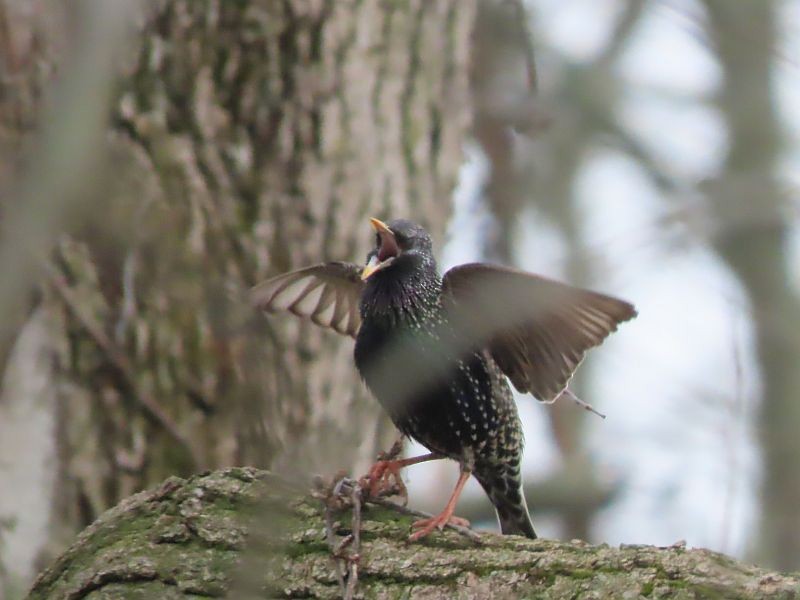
[(242, 532)]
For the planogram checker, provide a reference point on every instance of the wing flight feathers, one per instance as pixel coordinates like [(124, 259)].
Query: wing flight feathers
[(327, 293), (536, 329)]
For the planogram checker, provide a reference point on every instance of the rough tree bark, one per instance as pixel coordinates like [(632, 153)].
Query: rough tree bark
[(245, 533), (247, 138)]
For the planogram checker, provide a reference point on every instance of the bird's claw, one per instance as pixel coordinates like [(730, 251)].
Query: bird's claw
[(383, 479), (427, 526)]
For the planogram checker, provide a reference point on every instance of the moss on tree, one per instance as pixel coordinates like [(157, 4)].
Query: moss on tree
[(242, 532)]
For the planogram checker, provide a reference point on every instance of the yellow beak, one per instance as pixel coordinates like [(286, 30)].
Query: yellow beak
[(372, 266), (382, 229), (379, 226)]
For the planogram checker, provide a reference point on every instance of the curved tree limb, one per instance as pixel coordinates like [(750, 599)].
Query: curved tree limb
[(246, 533)]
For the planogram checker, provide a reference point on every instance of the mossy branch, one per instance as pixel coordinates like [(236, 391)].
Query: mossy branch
[(247, 533)]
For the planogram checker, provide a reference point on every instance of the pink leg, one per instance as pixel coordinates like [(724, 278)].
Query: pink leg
[(446, 516), (379, 478)]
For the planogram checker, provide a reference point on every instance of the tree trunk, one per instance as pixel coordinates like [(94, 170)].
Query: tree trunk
[(753, 240), (248, 138), (245, 533)]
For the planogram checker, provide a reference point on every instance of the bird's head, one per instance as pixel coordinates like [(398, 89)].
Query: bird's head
[(401, 246)]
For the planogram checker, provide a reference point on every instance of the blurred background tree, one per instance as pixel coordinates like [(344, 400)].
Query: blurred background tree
[(618, 83), (245, 139), (755, 216)]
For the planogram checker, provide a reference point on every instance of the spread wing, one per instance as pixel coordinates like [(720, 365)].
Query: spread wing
[(537, 330), (327, 293)]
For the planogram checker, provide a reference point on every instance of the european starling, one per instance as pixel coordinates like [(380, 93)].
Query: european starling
[(436, 351)]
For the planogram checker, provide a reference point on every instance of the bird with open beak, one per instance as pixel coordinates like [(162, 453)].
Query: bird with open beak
[(386, 249), (437, 352)]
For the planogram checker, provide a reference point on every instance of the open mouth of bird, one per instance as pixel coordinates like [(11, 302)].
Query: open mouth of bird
[(388, 251)]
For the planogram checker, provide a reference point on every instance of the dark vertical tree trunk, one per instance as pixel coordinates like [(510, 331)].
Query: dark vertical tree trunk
[(753, 241)]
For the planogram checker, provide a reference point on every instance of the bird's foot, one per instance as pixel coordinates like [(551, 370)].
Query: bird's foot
[(427, 526), (383, 478)]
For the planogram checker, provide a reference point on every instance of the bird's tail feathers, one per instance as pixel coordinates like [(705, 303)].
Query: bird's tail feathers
[(508, 499)]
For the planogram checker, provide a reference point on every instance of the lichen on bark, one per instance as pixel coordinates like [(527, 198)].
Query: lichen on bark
[(242, 532)]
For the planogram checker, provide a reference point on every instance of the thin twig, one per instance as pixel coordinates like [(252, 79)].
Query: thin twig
[(567, 393), (528, 46), (736, 408), (331, 537), (343, 492), (355, 552), (66, 152), (12, 62), (120, 362)]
